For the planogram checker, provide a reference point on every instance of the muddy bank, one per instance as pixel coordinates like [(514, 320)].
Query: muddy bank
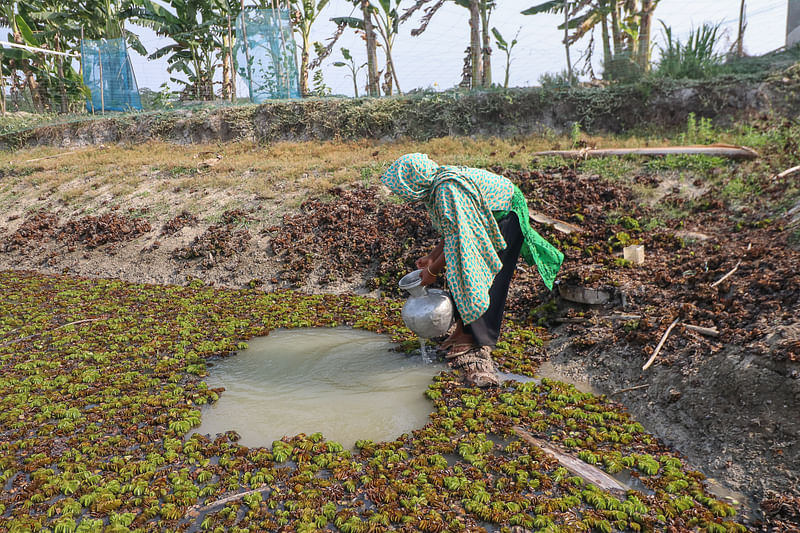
[(728, 403), (651, 105)]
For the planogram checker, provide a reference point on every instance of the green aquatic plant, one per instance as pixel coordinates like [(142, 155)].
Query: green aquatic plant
[(95, 415)]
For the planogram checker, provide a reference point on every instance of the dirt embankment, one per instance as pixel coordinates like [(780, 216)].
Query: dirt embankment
[(653, 105), (728, 401)]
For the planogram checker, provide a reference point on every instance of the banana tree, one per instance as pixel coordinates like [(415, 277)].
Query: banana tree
[(351, 64), (387, 21), (630, 24), (506, 47), (479, 59), (192, 29), (304, 14)]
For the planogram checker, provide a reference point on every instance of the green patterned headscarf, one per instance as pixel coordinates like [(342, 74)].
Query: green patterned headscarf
[(460, 202)]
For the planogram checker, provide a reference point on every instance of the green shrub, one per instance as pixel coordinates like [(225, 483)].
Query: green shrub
[(695, 59)]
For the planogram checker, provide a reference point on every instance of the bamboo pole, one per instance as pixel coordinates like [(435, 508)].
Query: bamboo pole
[(38, 49), (247, 56), (566, 40), (719, 150), (2, 90), (231, 62), (102, 94), (740, 37)]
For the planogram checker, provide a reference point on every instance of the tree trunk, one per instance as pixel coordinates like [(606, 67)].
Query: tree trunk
[(645, 23), (2, 91), (226, 69), (64, 105), (231, 63), (486, 51), (304, 56), (607, 57), (475, 42), (740, 37), (390, 71), (508, 68), (566, 39), (373, 83), (616, 30), (30, 79)]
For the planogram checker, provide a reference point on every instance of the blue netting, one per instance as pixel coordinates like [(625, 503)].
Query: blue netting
[(107, 60), (267, 63)]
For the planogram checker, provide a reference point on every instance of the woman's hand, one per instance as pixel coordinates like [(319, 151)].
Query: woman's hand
[(431, 258), (427, 276), (424, 262)]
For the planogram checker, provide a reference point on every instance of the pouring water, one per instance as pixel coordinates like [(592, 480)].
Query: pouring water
[(424, 351), (427, 312)]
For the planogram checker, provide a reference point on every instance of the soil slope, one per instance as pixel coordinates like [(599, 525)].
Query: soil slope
[(727, 401)]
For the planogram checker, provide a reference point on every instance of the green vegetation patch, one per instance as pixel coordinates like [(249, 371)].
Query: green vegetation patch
[(101, 380)]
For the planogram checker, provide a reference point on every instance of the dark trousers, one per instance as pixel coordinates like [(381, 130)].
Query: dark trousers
[(486, 329)]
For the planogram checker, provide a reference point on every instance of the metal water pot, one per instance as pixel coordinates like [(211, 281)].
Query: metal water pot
[(427, 312)]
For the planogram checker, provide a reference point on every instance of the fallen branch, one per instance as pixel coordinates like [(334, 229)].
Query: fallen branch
[(65, 153), (637, 387), (560, 225), (588, 472), (660, 344), (580, 320), (227, 499), (719, 150), (50, 330), (711, 332), (726, 276), (788, 172)]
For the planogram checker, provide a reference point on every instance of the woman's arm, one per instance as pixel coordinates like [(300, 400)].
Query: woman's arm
[(432, 264)]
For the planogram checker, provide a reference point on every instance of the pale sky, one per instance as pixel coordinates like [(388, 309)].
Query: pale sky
[(435, 59)]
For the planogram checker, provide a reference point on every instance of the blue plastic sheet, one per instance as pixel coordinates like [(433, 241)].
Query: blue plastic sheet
[(108, 74), (265, 54)]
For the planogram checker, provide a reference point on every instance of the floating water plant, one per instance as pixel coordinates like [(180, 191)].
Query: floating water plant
[(94, 416)]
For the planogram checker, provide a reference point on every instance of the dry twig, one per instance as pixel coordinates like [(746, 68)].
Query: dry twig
[(660, 344), (73, 152), (588, 472), (788, 172), (637, 387), (711, 332), (726, 276), (50, 331)]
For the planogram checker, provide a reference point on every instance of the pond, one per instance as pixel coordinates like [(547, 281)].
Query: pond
[(347, 384)]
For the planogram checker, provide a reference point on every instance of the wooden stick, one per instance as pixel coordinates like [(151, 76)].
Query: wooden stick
[(226, 499), (560, 225), (726, 276), (580, 320), (788, 172), (590, 473), (637, 387), (50, 330), (711, 332), (621, 317), (720, 150), (660, 344), (65, 153), (570, 320)]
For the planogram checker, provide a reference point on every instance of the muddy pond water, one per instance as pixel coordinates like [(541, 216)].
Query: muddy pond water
[(347, 384)]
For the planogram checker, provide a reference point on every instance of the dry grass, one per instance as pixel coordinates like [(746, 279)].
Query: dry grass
[(206, 179)]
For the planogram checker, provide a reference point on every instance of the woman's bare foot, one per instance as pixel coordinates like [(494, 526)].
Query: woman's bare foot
[(456, 337)]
